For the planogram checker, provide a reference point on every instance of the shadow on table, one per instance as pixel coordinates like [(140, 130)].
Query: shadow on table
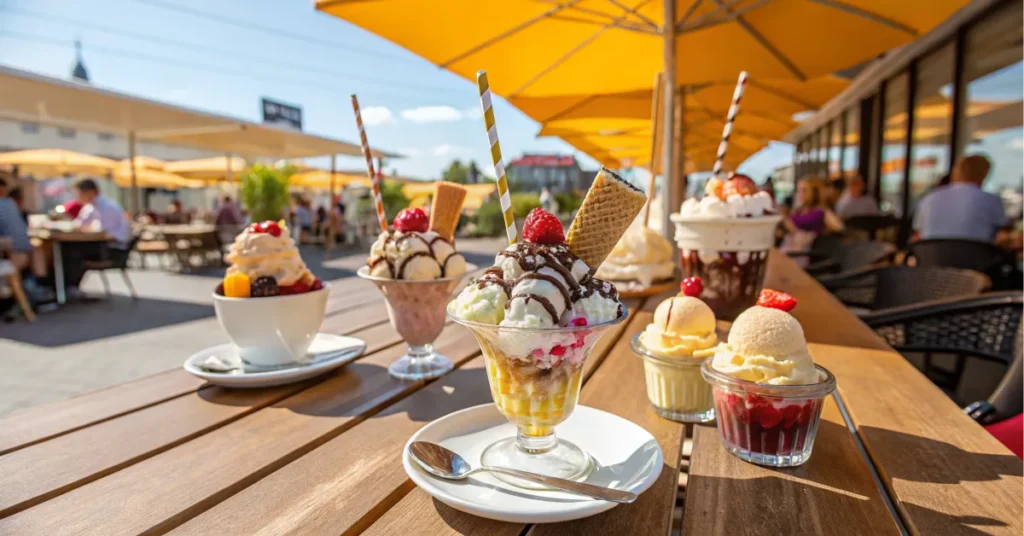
[(92, 320), (936, 461), (931, 521)]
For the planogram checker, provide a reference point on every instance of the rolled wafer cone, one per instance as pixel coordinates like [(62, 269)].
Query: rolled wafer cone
[(446, 208), (609, 208)]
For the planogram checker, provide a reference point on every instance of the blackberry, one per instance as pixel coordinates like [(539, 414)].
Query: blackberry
[(265, 286)]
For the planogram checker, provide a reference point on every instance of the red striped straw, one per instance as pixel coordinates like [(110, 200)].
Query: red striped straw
[(374, 179), (727, 131)]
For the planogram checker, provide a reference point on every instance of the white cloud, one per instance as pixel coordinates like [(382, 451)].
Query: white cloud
[(432, 114), (450, 150), (473, 113), (409, 151), (1016, 144), (377, 115)]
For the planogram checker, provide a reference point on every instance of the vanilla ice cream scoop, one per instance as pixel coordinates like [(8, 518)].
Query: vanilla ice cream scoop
[(766, 346), (414, 255), (682, 325), (262, 254)]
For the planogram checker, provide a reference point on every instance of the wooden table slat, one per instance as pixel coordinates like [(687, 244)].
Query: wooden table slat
[(206, 470)]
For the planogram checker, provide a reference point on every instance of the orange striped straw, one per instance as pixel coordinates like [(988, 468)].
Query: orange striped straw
[(374, 179)]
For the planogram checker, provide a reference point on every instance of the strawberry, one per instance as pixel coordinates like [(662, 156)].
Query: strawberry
[(739, 185), (692, 286), (542, 227), (768, 416), (412, 219), (774, 299), (271, 227), (558, 350)]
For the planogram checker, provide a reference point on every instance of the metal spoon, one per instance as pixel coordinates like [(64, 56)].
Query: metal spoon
[(446, 464)]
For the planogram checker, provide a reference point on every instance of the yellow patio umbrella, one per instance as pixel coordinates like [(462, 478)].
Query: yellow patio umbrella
[(217, 168), (144, 162), (319, 179), (43, 163), (537, 48), (152, 178)]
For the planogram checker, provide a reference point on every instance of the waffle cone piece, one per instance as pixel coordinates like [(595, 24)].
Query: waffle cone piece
[(609, 208), (446, 208)]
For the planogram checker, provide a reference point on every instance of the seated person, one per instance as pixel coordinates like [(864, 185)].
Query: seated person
[(961, 209), (14, 231), (99, 213), (809, 218), (853, 202)]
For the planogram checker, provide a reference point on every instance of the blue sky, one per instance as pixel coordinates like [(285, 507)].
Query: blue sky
[(161, 49)]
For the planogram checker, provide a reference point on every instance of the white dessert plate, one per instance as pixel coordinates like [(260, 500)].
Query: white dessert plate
[(625, 456), (327, 352)]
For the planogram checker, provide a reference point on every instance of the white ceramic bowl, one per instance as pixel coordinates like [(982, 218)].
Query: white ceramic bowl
[(272, 331)]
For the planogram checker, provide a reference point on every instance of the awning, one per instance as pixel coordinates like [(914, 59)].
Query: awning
[(45, 163), (209, 169), (31, 97)]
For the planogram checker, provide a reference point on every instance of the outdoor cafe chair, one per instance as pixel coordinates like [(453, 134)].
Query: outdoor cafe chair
[(117, 261), (853, 256), (986, 327), (10, 274), (879, 288), (984, 257), (880, 227)]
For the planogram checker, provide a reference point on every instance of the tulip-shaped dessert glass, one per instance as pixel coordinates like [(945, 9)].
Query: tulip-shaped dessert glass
[(768, 391), (416, 268), (537, 314)]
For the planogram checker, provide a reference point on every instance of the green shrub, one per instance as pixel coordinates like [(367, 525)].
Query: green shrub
[(568, 202), (264, 192), (489, 220), (393, 198), (523, 203)]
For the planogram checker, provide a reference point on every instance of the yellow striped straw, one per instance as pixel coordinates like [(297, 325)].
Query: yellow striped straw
[(374, 178), (499, 167)]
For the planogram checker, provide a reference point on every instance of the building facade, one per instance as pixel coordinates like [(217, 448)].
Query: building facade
[(908, 116), (532, 172)]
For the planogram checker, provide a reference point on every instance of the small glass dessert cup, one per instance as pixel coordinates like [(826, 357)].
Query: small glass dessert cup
[(766, 424), (536, 398), (416, 309), (675, 386)]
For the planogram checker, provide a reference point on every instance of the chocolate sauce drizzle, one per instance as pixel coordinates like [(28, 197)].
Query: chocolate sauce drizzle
[(400, 273)]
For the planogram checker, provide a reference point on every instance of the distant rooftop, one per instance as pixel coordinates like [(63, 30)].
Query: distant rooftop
[(544, 160)]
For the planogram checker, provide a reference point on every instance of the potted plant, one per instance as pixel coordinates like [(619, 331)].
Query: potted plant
[(264, 192)]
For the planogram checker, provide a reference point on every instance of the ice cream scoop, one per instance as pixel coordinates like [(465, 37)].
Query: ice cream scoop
[(267, 250), (414, 255), (681, 326), (766, 345), (641, 255)]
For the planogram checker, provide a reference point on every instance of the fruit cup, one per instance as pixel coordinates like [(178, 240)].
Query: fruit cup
[(766, 424), (535, 376), (675, 386)]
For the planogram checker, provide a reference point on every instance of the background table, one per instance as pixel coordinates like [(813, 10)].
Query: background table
[(55, 238), (169, 454)]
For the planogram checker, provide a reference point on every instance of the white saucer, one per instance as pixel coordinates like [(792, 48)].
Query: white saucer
[(625, 456), (327, 352)]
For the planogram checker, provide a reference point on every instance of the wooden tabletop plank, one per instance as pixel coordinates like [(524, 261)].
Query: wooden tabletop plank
[(32, 425), (361, 469), (830, 494), (206, 470), (945, 473)]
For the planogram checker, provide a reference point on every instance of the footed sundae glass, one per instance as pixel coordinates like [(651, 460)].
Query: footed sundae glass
[(416, 309), (535, 376)]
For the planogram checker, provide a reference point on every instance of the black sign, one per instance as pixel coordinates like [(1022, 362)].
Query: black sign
[(279, 113)]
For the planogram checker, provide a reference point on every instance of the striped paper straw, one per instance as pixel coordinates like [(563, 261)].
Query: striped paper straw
[(374, 179), (727, 131), (499, 167)]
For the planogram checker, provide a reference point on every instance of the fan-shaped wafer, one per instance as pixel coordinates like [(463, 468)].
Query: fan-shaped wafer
[(446, 208), (609, 208)]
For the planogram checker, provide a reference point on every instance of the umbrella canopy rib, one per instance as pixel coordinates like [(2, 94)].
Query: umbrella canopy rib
[(786, 62), (863, 13)]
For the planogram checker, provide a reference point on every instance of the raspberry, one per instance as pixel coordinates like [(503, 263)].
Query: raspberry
[(558, 350), (298, 287), (774, 299), (412, 219), (271, 228), (578, 322), (542, 227), (692, 286), (791, 415), (768, 416), (265, 286), (317, 284), (255, 228)]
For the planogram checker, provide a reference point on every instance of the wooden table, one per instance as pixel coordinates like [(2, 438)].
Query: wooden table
[(169, 454), (56, 238)]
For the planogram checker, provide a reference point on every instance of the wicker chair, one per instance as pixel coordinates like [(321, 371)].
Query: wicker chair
[(853, 256), (894, 286), (985, 327), (882, 227), (983, 257)]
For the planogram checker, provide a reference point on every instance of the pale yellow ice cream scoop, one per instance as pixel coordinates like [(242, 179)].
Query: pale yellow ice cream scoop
[(681, 326), (766, 346)]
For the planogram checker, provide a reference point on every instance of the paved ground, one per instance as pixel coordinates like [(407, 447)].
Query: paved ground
[(86, 346)]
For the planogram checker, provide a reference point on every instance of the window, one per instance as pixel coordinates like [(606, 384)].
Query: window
[(933, 121), (993, 78), (68, 133), (835, 147), (822, 168), (30, 128), (851, 141), (894, 144)]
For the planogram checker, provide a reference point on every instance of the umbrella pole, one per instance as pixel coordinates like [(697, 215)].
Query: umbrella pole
[(134, 189), (331, 239), (669, 172), (679, 191)]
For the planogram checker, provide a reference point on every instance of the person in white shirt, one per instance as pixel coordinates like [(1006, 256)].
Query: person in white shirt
[(99, 213), (853, 202), (961, 209)]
